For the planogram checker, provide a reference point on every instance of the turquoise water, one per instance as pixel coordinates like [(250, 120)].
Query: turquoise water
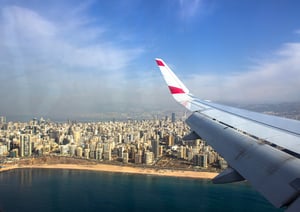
[(72, 190)]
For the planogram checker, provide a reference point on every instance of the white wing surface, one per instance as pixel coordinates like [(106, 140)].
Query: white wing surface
[(260, 148)]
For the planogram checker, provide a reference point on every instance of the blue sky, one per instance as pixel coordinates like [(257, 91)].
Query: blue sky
[(71, 58)]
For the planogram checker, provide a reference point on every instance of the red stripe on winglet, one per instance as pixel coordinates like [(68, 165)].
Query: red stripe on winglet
[(160, 63), (175, 90)]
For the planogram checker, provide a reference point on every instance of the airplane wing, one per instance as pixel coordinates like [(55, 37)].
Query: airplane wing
[(260, 148)]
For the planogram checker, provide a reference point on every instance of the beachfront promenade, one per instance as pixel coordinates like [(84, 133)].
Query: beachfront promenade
[(90, 166)]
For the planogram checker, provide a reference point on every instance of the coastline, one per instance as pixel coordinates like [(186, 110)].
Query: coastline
[(119, 169)]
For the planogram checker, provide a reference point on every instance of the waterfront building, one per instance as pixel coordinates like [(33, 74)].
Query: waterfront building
[(64, 149), (25, 146), (99, 153), (133, 141), (211, 157), (86, 153), (3, 150), (107, 155), (160, 150), (200, 160), (155, 148), (222, 163), (138, 157), (46, 149), (107, 147), (14, 153), (132, 152), (92, 154), (125, 157), (182, 152), (149, 156), (79, 152), (190, 154), (120, 151), (72, 149)]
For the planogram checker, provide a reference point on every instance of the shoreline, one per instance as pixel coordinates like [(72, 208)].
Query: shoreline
[(119, 169)]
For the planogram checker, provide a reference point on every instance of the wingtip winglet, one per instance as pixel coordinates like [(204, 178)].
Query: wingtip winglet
[(159, 62), (176, 87), (174, 84)]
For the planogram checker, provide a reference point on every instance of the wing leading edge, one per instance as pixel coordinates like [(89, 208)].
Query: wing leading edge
[(243, 138)]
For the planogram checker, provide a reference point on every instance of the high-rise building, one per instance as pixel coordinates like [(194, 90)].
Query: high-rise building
[(79, 152), (119, 138), (222, 163), (211, 157), (200, 160), (138, 157), (76, 135), (8, 144), (149, 156), (173, 117), (181, 152), (72, 149), (155, 148), (171, 140), (86, 153), (92, 154), (3, 149), (190, 154), (125, 156), (132, 153), (25, 146), (2, 119), (99, 153), (14, 153), (107, 155), (64, 149), (161, 149), (107, 151), (120, 151), (107, 147)]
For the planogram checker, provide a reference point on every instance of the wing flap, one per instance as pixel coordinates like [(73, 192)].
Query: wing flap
[(257, 128), (282, 132), (262, 165)]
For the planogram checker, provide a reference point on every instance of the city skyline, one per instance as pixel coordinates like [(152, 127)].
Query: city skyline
[(66, 59), (154, 142)]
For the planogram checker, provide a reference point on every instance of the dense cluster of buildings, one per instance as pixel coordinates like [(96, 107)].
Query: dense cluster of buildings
[(131, 141)]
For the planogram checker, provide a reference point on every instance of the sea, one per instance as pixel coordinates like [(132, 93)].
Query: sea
[(76, 190)]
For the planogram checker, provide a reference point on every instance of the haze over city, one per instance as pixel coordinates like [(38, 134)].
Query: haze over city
[(61, 59)]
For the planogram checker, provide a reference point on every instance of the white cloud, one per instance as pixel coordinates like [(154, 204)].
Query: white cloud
[(72, 66), (297, 31), (274, 79), (191, 9), (57, 67), (27, 31)]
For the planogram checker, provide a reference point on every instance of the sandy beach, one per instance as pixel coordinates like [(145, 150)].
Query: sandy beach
[(119, 169)]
